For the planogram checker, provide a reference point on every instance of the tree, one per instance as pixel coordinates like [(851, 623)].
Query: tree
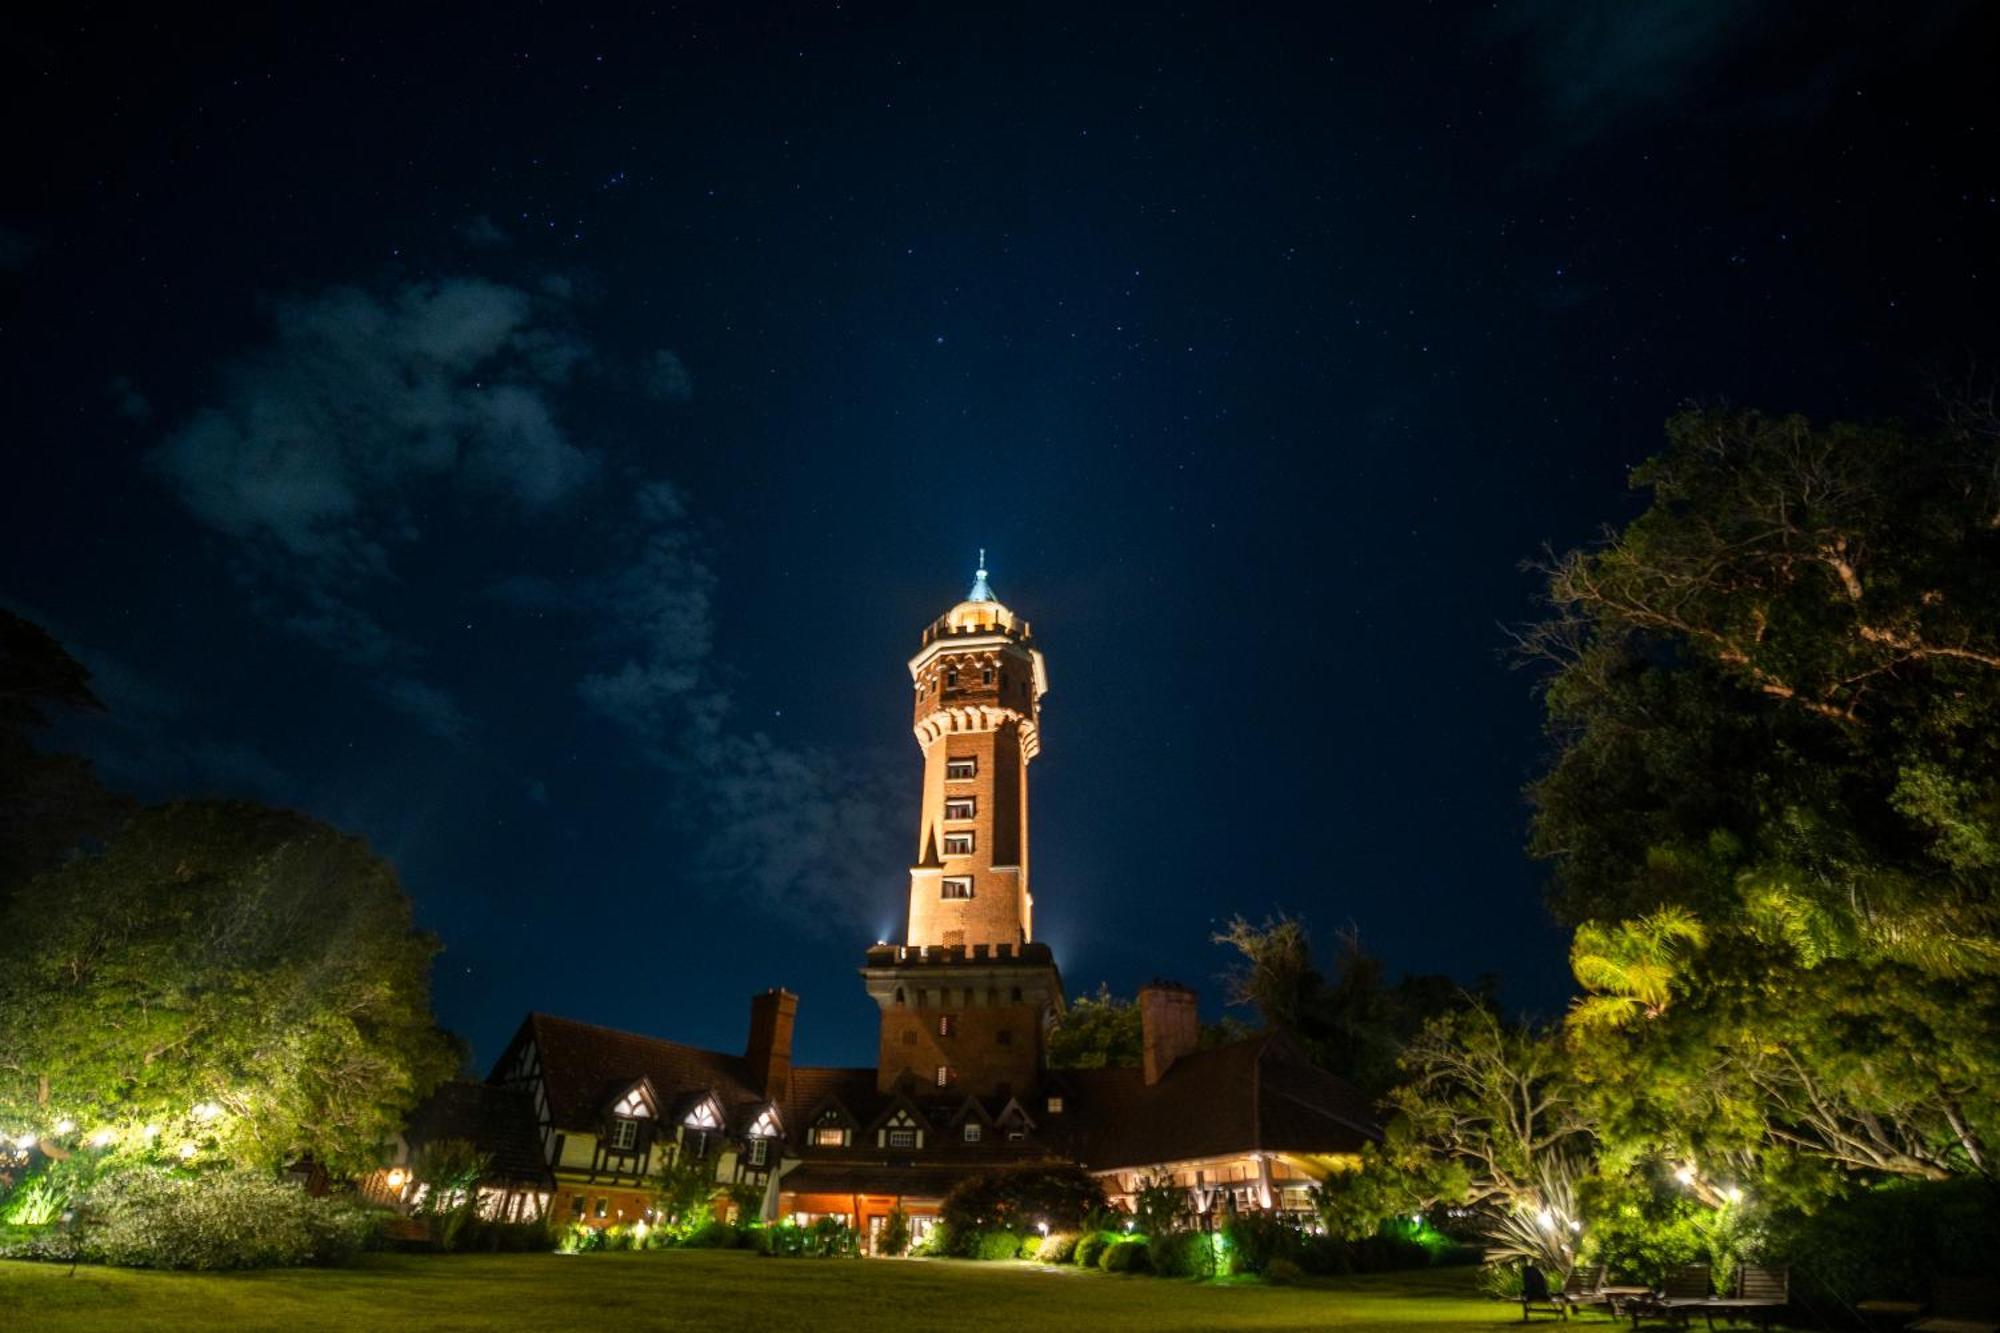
[(1106, 1030), (1355, 1024), (1097, 1031), (1773, 808), (222, 978), (50, 804), (1489, 1118), (1018, 1198)]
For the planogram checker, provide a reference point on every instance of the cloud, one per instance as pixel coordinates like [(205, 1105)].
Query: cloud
[(797, 832), (483, 230), (667, 378), (324, 444)]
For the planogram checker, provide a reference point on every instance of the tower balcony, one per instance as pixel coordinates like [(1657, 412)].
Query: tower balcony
[(1030, 953)]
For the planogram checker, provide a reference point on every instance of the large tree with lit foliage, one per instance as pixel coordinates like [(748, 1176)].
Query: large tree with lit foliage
[(1773, 807), (222, 981)]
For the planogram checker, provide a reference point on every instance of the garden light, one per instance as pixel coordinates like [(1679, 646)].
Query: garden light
[(1685, 1175), (1043, 1227), (102, 1137), (1734, 1194), (206, 1111), (1547, 1219), (65, 1125), (25, 1142), (398, 1178)]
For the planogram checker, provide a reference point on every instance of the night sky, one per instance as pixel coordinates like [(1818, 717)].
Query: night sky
[(536, 443)]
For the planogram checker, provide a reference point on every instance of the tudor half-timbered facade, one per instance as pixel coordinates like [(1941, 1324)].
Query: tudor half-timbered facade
[(961, 1084)]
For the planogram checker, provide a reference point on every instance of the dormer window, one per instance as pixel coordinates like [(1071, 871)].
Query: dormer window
[(703, 1116), (958, 844), (960, 807), (1055, 1106), (961, 768), (624, 1133), (972, 1131), (829, 1136), (759, 1153)]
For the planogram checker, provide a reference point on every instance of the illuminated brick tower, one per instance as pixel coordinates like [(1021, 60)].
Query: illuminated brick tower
[(968, 996)]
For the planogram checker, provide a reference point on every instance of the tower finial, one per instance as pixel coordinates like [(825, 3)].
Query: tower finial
[(980, 591)]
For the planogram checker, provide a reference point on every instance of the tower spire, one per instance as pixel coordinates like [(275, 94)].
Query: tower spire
[(980, 591)]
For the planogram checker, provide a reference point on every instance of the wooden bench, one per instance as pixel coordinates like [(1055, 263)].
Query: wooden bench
[(1760, 1292)]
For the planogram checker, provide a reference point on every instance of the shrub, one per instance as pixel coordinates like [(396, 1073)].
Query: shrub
[(1502, 1281), (713, 1236), (1019, 1197), (1282, 1271), (938, 1243), (489, 1237), (1058, 1247), (580, 1239), (1091, 1245), (1894, 1240), (1255, 1239), (895, 1237), (998, 1245), (150, 1218), (1031, 1246), (1182, 1254), (828, 1238), (1124, 1256)]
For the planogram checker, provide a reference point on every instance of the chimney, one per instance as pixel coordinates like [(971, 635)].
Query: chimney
[(769, 1053), (1170, 1025)]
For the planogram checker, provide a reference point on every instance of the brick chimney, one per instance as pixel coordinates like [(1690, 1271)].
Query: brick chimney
[(769, 1053), (1170, 1025)]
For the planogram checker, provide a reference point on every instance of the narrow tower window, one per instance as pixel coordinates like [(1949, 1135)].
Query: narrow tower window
[(961, 770), (951, 678), (959, 807), (956, 886), (958, 844), (946, 1076), (947, 1025)]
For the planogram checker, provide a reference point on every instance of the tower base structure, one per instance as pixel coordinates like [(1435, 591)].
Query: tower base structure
[(970, 1020)]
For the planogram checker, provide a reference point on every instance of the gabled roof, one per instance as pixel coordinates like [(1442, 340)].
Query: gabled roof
[(499, 1122), (1260, 1094), (585, 1067)]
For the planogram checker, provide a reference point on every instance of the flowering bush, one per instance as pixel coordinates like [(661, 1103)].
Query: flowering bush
[(150, 1218)]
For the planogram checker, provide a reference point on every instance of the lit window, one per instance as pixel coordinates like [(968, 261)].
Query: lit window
[(947, 1025), (959, 807), (955, 886), (961, 769), (1055, 1106), (760, 1152), (902, 1138), (958, 844), (624, 1133), (829, 1136), (946, 1076), (972, 1131)]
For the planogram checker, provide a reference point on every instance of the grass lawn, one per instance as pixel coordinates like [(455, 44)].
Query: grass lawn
[(718, 1291)]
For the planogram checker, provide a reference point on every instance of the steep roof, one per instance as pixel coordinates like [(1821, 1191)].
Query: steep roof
[(584, 1066), (1260, 1094), (499, 1122)]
